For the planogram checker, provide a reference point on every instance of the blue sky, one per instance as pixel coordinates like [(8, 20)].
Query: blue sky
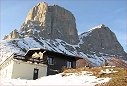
[(88, 13)]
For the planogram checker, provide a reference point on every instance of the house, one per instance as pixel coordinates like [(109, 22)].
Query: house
[(15, 67), (36, 63), (55, 61)]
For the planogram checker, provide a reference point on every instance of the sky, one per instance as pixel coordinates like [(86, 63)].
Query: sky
[(88, 14)]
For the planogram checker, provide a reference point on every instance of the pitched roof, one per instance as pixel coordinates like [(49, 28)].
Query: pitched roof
[(33, 50)]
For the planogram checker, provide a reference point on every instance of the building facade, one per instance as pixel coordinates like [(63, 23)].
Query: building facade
[(36, 63), (13, 68), (55, 61)]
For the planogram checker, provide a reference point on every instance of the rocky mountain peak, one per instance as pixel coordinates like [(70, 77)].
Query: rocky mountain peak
[(101, 26), (50, 22), (14, 34), (37, 13), (100, 40)]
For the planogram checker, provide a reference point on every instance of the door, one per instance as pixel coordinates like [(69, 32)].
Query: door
[(35, 73)]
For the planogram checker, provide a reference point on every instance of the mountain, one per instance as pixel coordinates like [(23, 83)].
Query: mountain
[(54, 28), (100, 40), (50, 22)]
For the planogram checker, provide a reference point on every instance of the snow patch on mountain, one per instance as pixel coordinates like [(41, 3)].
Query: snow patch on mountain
[(20, 46), (85, 34), (99, 26)]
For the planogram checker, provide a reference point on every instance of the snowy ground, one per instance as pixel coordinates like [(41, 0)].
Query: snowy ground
[(84, 78)]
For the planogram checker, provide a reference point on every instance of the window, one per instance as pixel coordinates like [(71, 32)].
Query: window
[(50, 60), (69, 64)]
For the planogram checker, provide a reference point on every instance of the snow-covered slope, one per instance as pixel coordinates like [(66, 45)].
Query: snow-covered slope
[(83, 78), (90, 46), (20, 46), (85, 34)]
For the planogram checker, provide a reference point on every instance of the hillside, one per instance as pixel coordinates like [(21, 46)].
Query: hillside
[(54, 28), (20, 46)]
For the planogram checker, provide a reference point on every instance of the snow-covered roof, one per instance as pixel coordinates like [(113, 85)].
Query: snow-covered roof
[(33, 50)]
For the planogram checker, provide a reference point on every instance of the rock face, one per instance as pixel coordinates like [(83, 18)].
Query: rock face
[(50, 22), (54, 22), (101, 40), (13, 35)]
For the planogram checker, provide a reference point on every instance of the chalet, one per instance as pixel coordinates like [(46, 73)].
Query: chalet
[(36, 63), (17, 67)]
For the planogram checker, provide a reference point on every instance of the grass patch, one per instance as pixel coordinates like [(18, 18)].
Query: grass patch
[(118, 79)]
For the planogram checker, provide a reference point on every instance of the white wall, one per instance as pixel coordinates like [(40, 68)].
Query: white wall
[(25, 70), (6, 69)]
